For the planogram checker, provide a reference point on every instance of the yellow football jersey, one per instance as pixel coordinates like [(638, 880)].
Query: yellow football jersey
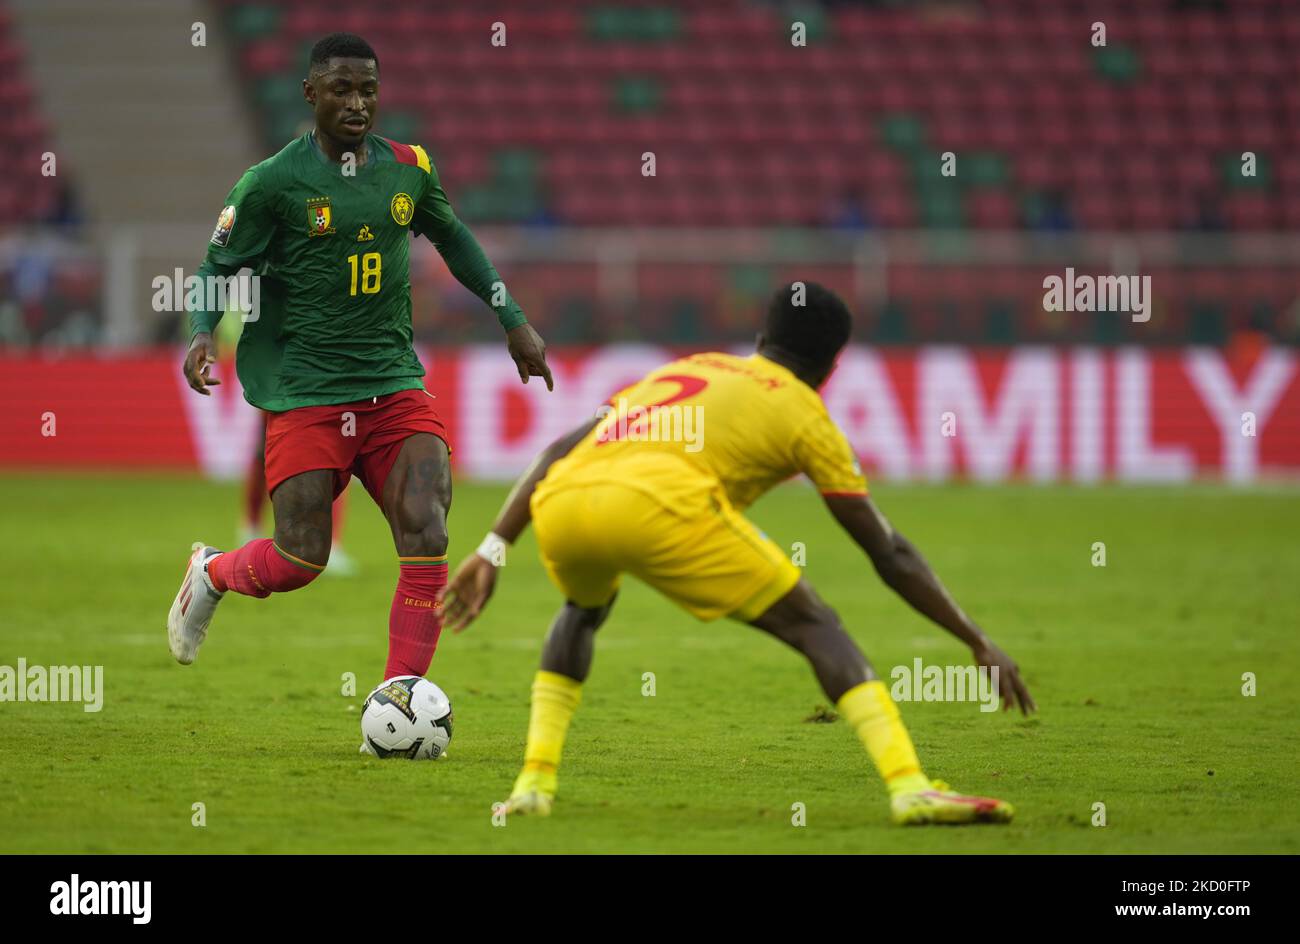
[(709, 420)]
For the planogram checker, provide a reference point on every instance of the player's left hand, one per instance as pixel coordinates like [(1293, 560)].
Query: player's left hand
[(528, 351), (467, 592)]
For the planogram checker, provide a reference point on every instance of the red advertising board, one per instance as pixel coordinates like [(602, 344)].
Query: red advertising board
[(930, 413)]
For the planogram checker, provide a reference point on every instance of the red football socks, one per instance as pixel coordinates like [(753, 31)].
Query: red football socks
[(259, 568), (415, 620)]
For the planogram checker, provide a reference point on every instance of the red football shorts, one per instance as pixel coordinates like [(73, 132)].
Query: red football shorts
[(361, 439)]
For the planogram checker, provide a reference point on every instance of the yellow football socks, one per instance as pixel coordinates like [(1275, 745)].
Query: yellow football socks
[(874, 716), (555, 699)]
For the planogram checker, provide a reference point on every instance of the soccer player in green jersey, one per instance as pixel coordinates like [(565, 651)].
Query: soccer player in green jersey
[(324, 226)]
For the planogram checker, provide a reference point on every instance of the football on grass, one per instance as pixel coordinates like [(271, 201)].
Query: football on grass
[(406, 717)]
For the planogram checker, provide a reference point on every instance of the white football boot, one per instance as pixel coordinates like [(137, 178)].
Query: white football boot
[(196, 601)]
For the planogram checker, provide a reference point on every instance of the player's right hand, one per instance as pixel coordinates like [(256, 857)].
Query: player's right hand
[(467, 592), (528, 351), (1011, 687), (198, 361)]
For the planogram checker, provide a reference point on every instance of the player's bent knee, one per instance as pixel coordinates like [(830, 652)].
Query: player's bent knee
[(308, 544), (589, 618), (421, 529), (813, 627), (817, 614), (799, 617), (801, 605), (430, 541), (434, 538)]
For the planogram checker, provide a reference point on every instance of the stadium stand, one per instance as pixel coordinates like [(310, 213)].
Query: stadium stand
[(748, 130), (751, 130), (26, 195), (1051, 135)]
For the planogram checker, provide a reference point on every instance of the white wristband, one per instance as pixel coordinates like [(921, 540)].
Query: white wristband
[(493, 549)]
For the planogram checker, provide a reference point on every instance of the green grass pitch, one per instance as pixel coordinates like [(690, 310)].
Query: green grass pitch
[(1137, 669)]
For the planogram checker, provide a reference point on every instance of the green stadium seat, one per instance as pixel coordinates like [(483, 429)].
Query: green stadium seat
[(817, 24), (636, 24), (1234, 179), (637, 93), (941, 207), (982, 169), (1118, 64), (253, 20), (515, 167), (902, 132)]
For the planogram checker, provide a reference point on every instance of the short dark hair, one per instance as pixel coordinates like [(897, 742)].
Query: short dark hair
[(339, 46), (814, 331)]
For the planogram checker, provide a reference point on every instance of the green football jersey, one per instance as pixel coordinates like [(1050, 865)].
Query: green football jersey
[(331, 252)]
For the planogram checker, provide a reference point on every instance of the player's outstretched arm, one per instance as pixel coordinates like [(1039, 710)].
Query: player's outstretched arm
[(470, 265), (908, 574), (475, 578)]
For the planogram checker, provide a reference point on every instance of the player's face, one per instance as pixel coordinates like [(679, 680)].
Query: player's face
[(345, 98)]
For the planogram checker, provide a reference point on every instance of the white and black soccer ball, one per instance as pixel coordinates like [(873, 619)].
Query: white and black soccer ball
[(407, 716)]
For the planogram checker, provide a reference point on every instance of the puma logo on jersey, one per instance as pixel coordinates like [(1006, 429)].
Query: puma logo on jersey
[(365, 234)]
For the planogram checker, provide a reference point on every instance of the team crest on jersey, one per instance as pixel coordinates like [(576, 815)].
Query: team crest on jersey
[(403, 208), (319, 220), (225, 223)]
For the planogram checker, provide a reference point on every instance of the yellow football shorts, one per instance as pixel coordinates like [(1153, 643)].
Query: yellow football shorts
[(709, 560)]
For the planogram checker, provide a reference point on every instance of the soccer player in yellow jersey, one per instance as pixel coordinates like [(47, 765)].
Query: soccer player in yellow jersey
[(655, 488)]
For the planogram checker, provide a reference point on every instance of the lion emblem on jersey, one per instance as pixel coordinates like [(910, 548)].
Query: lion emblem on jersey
[(403, 208)]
